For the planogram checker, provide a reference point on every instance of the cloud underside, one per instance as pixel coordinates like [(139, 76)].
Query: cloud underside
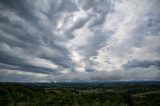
[(51, 40)]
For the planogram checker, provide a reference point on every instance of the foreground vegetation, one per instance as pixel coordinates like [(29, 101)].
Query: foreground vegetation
[(80, 94)]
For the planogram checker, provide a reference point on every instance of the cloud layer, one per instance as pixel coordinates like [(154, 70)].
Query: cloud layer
[(47, 40)]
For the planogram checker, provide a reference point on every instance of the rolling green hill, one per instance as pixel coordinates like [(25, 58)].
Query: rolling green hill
[(118, 95)]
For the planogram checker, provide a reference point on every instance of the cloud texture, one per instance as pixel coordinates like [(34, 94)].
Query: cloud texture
[(47, 40)]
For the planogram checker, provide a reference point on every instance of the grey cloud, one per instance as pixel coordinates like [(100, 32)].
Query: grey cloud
[(20, 76), (96, 10), (144, 64), (96, 42), (152, 73), (40, 37), (22, 8), (21, 64), (26, 36), (68, 6)]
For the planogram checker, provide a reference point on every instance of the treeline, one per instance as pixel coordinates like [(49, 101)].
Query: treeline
[(21, 95)]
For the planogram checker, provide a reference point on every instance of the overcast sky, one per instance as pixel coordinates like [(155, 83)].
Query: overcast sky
[(47, 40)]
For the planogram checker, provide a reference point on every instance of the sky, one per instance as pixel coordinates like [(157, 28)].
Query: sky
[(79, 40)]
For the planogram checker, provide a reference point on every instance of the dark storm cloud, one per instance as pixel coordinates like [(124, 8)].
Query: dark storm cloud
[(143, 64), (22, 8), (45, 40), (20, 31), (12, 62)]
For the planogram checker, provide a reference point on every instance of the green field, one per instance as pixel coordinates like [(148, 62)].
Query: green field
[(63, 94)]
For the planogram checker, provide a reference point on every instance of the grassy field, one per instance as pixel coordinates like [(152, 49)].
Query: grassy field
[(80, 94)]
